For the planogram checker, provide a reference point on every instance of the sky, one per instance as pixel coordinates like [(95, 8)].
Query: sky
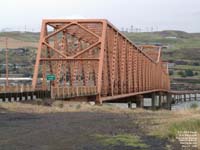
[(144, 14)]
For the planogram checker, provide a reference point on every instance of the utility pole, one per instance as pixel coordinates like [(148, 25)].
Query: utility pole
[(6, 62)]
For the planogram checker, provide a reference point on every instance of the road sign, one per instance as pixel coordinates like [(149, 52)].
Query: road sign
[(51, 77)]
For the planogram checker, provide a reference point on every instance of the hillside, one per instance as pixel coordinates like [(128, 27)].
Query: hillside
[(182, 52), (181, 45)]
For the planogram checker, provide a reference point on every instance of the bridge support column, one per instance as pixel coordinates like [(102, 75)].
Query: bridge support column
[(169, 101), (195, 96), (153, 101), (176, 98), (184, 97), (139, 101), (179, 99), (190, 97), (160, 100)]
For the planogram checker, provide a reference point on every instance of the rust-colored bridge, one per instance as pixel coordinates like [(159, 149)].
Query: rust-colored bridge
[(92, 58)]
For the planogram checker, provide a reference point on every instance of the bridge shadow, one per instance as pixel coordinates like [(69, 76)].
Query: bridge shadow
[(2, 110)]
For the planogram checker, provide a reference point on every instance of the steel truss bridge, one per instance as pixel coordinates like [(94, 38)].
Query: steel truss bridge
[(92, 57)]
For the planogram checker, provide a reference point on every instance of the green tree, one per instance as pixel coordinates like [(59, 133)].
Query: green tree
[(181, 73), (189, 73)]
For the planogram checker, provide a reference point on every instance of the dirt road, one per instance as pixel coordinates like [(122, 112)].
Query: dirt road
[(73, 131)]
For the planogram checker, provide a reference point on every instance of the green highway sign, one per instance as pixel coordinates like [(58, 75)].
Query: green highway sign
[(51, 77)]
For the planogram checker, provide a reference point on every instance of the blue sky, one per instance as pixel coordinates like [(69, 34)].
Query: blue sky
[(145, 14)]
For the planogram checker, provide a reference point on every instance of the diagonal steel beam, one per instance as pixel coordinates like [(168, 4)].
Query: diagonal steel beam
[(87, 30), (85, 50), (57, 31), (56, 50)]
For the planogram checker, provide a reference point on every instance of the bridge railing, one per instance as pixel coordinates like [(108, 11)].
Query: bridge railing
[(67, 92), (16, 88)]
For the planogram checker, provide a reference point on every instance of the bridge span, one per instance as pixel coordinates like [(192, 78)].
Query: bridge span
[(91, 58), (93, 53)]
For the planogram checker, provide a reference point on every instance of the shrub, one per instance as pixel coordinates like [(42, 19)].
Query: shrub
[(196, 64), (189, 73), (58, 104), (181, 73), (78, 106), (194, 105)]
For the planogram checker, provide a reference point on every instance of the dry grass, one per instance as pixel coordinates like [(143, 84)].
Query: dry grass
[(57, 106)]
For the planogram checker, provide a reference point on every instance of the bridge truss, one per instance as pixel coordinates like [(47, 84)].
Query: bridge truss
[(93, 53)]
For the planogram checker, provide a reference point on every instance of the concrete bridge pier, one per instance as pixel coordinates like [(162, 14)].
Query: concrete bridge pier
[(195, 96), (160, 96), (169, 100), (139, 101), (153, 101), (190, 97), (180, 98), (184, 95)]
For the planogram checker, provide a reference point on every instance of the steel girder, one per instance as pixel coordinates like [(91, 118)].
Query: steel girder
[(94, 53)]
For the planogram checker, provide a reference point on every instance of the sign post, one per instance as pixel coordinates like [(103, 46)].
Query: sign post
[(51, 77)]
